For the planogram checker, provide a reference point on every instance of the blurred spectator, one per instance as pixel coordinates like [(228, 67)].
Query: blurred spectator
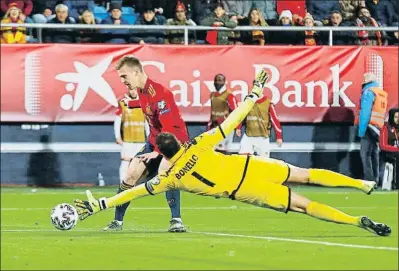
[(389, 145), (339, 37), (234, 37), (13, 35), (321, 10), (42, 11), (297, 7), (382, 11), (60, 35), (394, 39), (177, 36), (349, 8), (152, 36), (269, 10), (364, 37), (219, 18), (165, 8), (369, 120), (285, 37), (203, 9), (76, 7), (239, 8), (87, 35), (25, 6), (254, 37), (309, 37), (115, 18)]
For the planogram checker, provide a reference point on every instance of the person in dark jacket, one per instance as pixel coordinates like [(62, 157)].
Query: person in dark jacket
[(321, 10), (382, 11), (115, 35), (389, 145), (285, 37), (339, 37), (60, 35), (152, 36), (87, 35), (255, 37), (373, 38), (180, 18)]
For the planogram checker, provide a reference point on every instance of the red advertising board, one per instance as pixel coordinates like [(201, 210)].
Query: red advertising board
[(78, 83)]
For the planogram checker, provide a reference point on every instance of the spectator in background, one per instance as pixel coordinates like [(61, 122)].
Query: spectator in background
[(42, 11), (239, 8), (321, 10), (13, 35), (203, 9), (389, 145), (373, 38), (309, 37), (219, 18), (87, 35), (255, 37), (60, 35), (382, 11), (369, 120), (339, 37), (152, 36), (25, 6), (76, 8), (269, 10), (234, 37), (177, 36), (285, 37), (119, 36), (349, 8)]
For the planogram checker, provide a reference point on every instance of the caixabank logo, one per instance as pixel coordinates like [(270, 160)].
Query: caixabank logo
[(77, 84)]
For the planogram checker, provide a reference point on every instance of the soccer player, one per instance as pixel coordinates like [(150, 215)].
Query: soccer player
[(130, 128), (258, 124), (249, 179), (162, 114), (222, 103)]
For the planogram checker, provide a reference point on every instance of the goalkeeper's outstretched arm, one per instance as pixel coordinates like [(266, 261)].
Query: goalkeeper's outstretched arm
[(92, 206)]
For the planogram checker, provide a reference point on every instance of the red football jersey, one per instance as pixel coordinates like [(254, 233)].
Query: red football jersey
[(161, 112)]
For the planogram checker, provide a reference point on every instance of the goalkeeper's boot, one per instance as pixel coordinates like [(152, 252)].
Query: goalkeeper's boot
[(89, 207), (377, 228), (115, 225), (176, 225), (369, 187)]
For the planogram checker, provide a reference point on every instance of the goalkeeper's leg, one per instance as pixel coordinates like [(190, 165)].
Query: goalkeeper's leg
[(324, 212), (329, 178)]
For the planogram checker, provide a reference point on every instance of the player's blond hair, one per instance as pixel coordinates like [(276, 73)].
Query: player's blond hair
[(129, 60)]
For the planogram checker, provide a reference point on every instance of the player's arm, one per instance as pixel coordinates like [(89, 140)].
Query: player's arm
[(91, 206), (217, 134), (232, 103), (117, 125)]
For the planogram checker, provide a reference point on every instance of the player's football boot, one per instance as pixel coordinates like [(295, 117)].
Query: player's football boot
[(369, 187), (91, 206), (113, 226), (176, 226), (377, 228)]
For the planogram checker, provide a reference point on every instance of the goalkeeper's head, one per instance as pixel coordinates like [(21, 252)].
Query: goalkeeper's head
[(168, 145)]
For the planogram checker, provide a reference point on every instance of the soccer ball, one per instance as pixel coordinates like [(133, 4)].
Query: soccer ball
[(64, 216)]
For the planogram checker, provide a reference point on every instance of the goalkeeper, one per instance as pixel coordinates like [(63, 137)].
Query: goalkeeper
[(195, 167)]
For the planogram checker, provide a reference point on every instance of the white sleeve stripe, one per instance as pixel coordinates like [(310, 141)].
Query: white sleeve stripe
[(117, 127)]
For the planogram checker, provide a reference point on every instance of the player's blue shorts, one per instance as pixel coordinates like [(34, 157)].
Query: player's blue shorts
[(153, 165)]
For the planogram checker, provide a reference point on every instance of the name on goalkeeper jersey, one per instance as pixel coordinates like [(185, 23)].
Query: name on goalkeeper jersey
[(187, 167)]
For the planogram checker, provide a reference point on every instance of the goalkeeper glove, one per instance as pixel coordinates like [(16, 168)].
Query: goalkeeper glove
[(89, 207), (259, 82)]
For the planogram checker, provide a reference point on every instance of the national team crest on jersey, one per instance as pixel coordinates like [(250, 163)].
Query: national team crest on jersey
[(161, 105)]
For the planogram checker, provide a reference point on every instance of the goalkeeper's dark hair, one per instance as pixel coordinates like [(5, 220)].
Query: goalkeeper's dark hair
[(167, 144)]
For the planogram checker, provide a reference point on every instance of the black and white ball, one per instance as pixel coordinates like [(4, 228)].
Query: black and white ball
[(64, 216)]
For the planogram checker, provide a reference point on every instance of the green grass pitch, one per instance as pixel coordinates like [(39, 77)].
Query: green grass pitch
[(223, 234)]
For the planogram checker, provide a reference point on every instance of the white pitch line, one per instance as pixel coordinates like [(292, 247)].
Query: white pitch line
[(298, 241)]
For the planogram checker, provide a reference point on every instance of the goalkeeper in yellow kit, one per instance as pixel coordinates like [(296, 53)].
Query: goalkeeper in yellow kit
[(196, 168)]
